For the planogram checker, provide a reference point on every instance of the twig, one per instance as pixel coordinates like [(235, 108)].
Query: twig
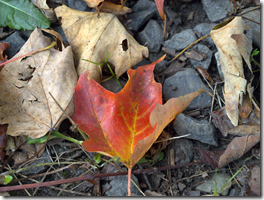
[(212, 105)]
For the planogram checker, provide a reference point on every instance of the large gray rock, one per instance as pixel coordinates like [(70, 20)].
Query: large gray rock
[(113, 86), (205, 29), (200, 130), (181, 40), (217, 58), (221, 179), (78, 5), (16, 42), (203, 63), (159, 67), (254, 15), (185, 82), (183, 151), (151, 36), (139, 19), (142, 5), (119, 186), (217, 10)]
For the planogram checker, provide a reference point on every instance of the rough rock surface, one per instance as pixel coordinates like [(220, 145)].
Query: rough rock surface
[(139, 19), (183, 151), (185, 82), (16, 42), (200, 130), (205, 29)]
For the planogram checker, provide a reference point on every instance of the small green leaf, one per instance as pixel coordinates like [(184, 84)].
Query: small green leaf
[(97, 158), (161, 156), (21, 14), (5, 179), (116, 159)]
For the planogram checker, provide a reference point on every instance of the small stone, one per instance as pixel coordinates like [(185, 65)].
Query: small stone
[(187, 81), (234, 192), (205, 29), (194, 193), (209, 185), (119, 186), (112, 85), (151, 36), (255, 28), (142, 5), (155, 180), (181, 40), (217, 10), (77, 5), (203, 63), (16, 42), (200, 130), (161, 66), (181, 186), (141, 63), (183, 151), (139, 19)]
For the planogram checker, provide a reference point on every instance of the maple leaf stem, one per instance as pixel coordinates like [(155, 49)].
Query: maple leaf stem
[(129, 182), (30, 53)]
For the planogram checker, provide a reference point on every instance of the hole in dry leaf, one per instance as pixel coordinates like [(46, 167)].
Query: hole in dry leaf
[(124, 45)]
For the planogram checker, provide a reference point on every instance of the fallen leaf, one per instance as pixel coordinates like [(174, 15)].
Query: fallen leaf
[(109, 7), (159, 4), (246, 108), (236, 148), (221, 121), (92, 3), (3, 129), (45, 9), (25, 103), (233, 46), (254, 181), (194, 55), (91, 37), (242, 130), (3, 46), (205, 74), (125, 124)]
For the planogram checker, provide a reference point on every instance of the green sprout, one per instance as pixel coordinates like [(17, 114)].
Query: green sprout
[(109, 67)]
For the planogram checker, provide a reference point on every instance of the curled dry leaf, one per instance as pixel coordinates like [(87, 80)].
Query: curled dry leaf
[(91, 37), (46, 10), (254, 181), (236, 148), (109, 7), (3, 46), (221, 121), (92, 3), (233, 46), (205, 74), (25, 103), (242, 130)]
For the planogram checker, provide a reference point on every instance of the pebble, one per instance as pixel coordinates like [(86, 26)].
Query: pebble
[(119, 186), (78, 5), (16, 42), (181, 40), (203, 63), (112, 85), (139, 19), (183, 151), (37, 170), (142, 5), (200, 130), (221, 179), (234, 192), (254, 15), (181, 186), (217, 10), (159, 67), (155, 180), (151, 36), (194, 193), (205, 29), (141, 63), (187, 81)]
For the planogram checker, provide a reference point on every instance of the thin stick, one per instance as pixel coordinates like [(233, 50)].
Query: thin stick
[(188, 47), (212, 105), (30, 53), (172, 138), (129, 182)]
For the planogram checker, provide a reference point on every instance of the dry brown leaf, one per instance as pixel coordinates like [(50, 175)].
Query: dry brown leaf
[(205, 74), (246, 108), (254, 181), (25, 103), (233, 46), (242, 130), (91, 37), (46, 10), (109, 7), (92, 3)]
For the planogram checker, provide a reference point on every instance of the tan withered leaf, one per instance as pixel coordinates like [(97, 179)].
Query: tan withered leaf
[(109, 7), (45, 9), (91, 37), (93, 3), (233, 46), (25, 103)]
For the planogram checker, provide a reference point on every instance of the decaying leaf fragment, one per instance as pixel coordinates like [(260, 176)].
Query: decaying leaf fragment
[(46, 10), (233, 46), (91, 37), (25, 103)]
